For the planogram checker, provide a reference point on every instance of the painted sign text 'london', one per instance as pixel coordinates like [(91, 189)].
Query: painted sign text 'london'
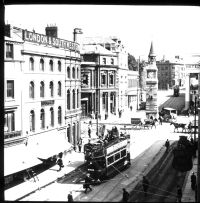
[(47, 40)]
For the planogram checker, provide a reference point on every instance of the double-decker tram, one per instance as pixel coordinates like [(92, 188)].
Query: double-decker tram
[(107, 156)]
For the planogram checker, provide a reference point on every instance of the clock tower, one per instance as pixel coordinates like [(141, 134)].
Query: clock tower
[(151, 84)]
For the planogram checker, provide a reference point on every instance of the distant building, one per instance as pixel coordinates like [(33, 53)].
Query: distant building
[(151, 84), (170, 73), (99, 88), (192, 64), (42, 98), (112, 58)]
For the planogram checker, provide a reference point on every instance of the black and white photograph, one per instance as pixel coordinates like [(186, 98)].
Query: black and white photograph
[(101, 103)]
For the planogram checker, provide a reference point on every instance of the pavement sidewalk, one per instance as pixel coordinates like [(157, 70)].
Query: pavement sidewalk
[(188, 193), (45, 178)]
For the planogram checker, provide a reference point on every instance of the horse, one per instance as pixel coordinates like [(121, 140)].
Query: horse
[(149, 123), (179, 125)]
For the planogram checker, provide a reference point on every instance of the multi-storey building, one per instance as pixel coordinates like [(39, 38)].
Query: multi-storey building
[(99, 89), (42, 96), (171, 73), (115, 48), (192, 65)]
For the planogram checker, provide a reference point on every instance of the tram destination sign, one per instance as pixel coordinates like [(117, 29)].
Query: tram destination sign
[(116, 146)]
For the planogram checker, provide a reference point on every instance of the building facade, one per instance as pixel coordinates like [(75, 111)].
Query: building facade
[(170, 73), (46, 89), (99, 89), (117, 57), (192, 64)]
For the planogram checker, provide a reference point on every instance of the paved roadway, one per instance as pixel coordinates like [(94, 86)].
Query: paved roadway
[(141, 140)]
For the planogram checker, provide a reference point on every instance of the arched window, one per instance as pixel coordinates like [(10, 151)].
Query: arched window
[(42, 89), (59, 89), (31, 64), (77, 73), (77, 98), (32, 121), (69, 133), (68, 72), (74, 133), (42, 119), (73, 73), (74, 99), (51, 88), (59, 115), (52, 116), (41, 64), (31, 89), (59, 66), (51, 65), (68, 99)]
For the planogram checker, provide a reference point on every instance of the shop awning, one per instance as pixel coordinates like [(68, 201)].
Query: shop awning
[(51, 148), (18, 158)]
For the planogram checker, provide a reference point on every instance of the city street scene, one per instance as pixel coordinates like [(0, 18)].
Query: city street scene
[(101, 103)]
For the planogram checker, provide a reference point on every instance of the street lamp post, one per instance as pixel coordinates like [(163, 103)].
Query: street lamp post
[(198, 157), (195, 106)]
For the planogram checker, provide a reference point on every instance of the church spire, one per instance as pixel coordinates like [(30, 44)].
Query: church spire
[(152, 55)]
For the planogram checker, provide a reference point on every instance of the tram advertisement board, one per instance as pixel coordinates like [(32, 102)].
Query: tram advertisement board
[(116, 146)]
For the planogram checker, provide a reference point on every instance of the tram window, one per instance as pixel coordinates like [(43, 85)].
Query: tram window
[(110, 160), (117, 156), (123, 153)]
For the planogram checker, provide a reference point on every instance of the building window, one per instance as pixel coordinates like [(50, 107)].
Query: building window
[(74, 99), (103, 79), (51, 88), (31, 64), (32, 121), (42, 89), (10, 88), (9, 121), (9, 51), (104, 60), (104, 100), (68, 99), (59, 66), (41, 64), (112, 61), (73, 73), (51, 65), (59, 115), (52, 116), (68, 133), (42, 119), (78, 73), (111, 79), (59, 89), (31, 89), (77, 98), (68, 72)]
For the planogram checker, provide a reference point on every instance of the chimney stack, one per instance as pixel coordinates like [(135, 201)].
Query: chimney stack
[(7, 29), (52, 31)]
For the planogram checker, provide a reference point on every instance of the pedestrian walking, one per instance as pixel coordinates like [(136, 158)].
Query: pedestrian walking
[(89, 132), (79, 144), (70, 197), (179, 193), (193, 181), (145, 184), (60, 164), (167, 144), (87, 183), (125, 195), (160, 120)]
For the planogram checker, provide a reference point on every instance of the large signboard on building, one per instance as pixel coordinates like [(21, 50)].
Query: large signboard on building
[(51, 41)]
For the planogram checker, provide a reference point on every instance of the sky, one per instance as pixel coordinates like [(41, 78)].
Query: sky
[(174, 30)]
